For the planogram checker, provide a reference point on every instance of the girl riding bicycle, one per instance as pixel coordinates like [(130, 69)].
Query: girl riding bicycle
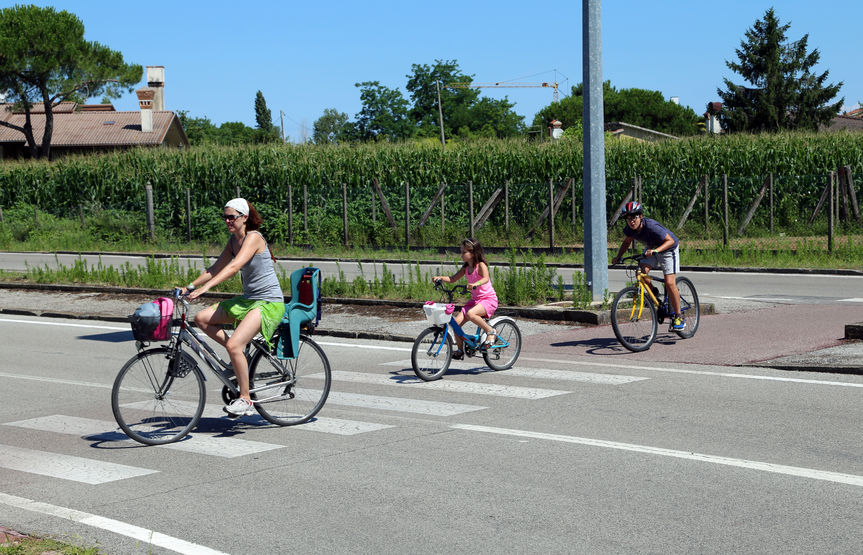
[(483, 301)]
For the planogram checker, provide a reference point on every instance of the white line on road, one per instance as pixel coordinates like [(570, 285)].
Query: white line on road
[(397, 404), (853, 300), (451, 386), (148, 537), (800, 472), (540, 373), (66, 467), (64, 324)]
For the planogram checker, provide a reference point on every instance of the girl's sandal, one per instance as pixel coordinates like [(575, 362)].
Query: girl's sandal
[(490, 341)]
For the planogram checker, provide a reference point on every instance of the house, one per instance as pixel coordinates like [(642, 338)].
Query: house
[(621, 129), (83, 128), (850, 121)]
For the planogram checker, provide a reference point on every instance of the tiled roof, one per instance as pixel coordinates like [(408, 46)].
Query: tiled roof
[(93, 129)]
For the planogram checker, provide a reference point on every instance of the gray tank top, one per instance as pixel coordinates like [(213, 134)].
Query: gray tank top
[(260, 282)]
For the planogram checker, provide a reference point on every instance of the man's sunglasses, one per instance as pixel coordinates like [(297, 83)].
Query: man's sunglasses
[(230, 217)]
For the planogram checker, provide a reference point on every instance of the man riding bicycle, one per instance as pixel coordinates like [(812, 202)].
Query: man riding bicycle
[(662, 249)]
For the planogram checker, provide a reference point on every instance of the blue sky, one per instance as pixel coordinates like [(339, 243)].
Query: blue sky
[(307, 56)]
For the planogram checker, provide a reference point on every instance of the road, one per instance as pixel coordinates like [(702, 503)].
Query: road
[(748, 287), (563, 453)]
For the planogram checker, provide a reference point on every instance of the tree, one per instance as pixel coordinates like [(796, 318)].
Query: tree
[(263, 117), (784, 93), (329, 127), (44, 58), (464, 112), (384, 114), (641, 107)]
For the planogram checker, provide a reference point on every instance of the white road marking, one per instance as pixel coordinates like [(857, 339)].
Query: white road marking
[(762, 299), (541, 373), (451, 386), (147, 537), (65, 325), (66, 467), (340, 426), (225, 447), (797, 471), (852, 300), (397, 404), (362, 346)]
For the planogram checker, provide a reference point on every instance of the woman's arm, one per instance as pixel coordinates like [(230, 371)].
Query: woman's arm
[(251, 245), (623, 246)]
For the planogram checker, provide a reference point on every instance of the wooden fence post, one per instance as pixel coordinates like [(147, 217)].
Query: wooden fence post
[(629, 195), (753, 208), (151, 218), (843, 195), (188, 215), (830, 186), (706, 206), (407, 216), (238, 192), (702, 182), (345, 212), (506, 205), (384, 204), (771, 202), (820, 204), (849, 180), (290, 215), (305, 207), (725, 210), (470, 203), (442, 215), (81, 214), (572, 197), (555, 201), (432, 205), (1, 216), (488, 207)]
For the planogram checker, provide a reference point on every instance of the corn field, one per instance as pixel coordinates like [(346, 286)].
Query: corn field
[(309, 179)]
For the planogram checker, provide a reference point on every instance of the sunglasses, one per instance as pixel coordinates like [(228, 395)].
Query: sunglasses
[(230, 217)]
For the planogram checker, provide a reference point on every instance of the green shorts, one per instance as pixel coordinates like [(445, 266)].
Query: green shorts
[(271, 313)]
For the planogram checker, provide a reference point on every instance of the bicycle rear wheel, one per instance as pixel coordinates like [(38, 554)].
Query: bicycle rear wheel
[(634, 325), (431, 354), (298, 387), (155, 399), (507, 346), (689, 307)]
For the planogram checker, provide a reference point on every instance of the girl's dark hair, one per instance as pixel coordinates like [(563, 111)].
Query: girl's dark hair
[(473, 247), (253, 222)]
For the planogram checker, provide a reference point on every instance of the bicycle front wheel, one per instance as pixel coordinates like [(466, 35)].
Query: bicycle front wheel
[(154, 401), (292, 391), (689, 307), (507, 345), (431, 354), (634, 324)]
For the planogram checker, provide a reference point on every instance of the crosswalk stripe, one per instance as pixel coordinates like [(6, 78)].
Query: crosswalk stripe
[(451, 386), (341, 427), (539, 373), (396, 404), (225, 447), (66, 467)]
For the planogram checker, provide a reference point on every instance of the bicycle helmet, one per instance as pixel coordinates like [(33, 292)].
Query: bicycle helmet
[(632, 208)]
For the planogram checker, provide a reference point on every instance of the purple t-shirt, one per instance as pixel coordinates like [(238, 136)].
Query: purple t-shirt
[(651, 235)]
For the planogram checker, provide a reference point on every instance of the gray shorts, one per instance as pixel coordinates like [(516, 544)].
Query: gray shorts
[(669, 261)]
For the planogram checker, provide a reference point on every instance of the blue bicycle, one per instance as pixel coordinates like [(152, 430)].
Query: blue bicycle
[(433, 348)]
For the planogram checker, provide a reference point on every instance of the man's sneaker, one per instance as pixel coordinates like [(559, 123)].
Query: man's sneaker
[(677, 324), (239, 407)]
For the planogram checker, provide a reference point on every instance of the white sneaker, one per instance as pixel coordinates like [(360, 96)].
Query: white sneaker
[(239, 407)]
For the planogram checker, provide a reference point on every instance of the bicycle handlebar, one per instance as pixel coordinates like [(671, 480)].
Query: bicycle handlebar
[(438, 284)]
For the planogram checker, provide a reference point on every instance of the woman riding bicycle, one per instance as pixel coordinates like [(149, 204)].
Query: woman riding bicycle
[(483, 301), (258, 310), (662, 250)]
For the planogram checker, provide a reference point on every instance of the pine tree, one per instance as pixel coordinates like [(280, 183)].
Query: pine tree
[(263, 117), (784, 93)]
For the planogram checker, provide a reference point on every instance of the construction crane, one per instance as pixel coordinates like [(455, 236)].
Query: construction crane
[(505, 85)]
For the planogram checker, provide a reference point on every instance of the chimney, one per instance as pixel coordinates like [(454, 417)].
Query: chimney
[(145, 101), (156, 81)]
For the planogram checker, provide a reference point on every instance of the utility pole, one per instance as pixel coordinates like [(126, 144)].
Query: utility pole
[(440, 114), (282, 118), (595, 230)]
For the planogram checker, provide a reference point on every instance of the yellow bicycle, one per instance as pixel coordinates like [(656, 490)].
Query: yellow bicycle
[(637, 312)]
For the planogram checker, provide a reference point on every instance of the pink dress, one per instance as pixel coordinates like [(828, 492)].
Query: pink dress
[(484, 294)]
